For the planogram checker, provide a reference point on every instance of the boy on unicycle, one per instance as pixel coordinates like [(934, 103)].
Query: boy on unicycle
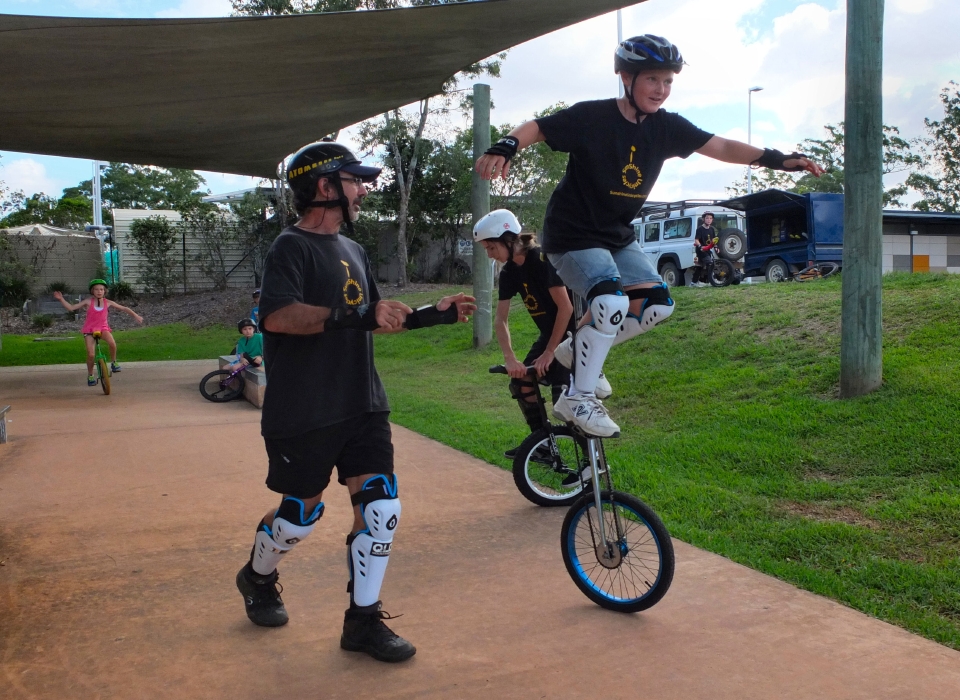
[(97, 307), (617, 148)]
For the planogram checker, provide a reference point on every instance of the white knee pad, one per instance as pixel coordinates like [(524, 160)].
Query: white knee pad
[(592, 342), (291, 524), (369, 549)]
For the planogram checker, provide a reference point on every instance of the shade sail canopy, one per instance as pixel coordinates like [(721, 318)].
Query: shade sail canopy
[(238, 94)]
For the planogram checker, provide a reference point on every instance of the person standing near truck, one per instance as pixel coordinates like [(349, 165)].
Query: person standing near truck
[(705, 235), (617, 148)]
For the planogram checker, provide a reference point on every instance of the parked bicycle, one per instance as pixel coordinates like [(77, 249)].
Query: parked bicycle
[(223, 385), (817, 271), (100, 362), (621, 559)]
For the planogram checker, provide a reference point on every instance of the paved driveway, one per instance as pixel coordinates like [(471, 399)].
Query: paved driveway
[(124, 519)]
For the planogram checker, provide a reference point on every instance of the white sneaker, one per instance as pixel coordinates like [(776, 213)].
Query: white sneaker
[(564, 355), (587, 413)]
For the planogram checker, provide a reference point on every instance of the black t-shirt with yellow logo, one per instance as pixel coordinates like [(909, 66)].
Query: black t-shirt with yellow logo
[(613, 165), (532, 281), (317, 380)]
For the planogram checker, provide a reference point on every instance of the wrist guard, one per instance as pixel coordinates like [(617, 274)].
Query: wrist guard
[(506, 147), (427, 316), (363, 318), (773, 159)]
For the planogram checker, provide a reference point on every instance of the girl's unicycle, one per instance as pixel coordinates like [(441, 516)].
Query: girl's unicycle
[(103, 369)]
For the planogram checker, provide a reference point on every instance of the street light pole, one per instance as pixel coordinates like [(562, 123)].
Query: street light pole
[(750, 133)]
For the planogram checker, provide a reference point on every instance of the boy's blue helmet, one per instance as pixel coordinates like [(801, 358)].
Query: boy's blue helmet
[(647, 52)]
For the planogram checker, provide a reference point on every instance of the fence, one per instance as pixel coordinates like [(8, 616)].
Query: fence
[(186, 255)]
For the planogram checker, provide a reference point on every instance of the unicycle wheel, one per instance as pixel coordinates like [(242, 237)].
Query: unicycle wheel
[(633, 569), (104, 373)]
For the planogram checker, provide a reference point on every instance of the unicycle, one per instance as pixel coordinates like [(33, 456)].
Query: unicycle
[(100, 360), (223, 385), (615, 547)]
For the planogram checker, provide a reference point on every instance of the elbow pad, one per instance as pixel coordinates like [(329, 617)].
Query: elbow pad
[(363, 318), (427, 316)]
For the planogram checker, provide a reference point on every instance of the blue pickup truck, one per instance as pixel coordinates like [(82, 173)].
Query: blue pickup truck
[(787, 232)]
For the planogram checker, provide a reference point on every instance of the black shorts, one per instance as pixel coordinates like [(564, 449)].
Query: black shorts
[(301, 466), (557, 375)]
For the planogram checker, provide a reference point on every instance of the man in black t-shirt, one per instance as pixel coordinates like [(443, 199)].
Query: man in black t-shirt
[(325, 406), (705, 235), (617, 149), (527, 274)]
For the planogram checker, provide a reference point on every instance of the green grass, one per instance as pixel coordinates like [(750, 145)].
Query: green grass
[(734, 434), (175, 341)]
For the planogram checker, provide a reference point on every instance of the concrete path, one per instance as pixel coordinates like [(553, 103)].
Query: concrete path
[(124, 519)]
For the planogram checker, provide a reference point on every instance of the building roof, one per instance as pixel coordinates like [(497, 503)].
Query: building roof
[(44, 230), (239, 94)]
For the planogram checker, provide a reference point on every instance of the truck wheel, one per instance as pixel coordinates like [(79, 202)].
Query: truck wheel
[(671, 275), (733, 244), (777, 271)]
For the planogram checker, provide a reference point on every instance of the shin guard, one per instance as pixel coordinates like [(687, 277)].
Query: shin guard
[(529, 409), (291, 524), (368, 551), (593, 341)]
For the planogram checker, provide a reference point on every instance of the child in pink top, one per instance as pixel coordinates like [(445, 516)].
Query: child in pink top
[(97, 307)]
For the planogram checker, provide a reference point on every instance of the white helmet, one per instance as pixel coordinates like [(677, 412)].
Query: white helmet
[(495, 224)]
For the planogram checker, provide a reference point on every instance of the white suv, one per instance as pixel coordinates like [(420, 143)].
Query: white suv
[(665, 231)]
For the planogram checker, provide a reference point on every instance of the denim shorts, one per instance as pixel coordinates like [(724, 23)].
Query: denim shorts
[(582, 270)]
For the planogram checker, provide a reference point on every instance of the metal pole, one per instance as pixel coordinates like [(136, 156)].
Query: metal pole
[(619, 41), (97, 205), (861, 340), (480, 207), (750, 133)]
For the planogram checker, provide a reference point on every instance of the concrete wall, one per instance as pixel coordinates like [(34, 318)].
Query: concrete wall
[(195, 280), (70, 257), (930, 248)]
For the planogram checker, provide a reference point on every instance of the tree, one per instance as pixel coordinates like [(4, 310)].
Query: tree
[(898, 156), (127, 186), (401, 133), (214, 232), (939, 182), (154, 238), (67, 212), (535, 173)]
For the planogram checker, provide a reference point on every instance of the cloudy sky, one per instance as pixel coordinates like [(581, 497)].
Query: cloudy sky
[(794, 49)]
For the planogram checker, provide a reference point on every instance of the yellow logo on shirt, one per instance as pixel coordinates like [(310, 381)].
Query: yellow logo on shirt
[(632, 177), (531, 302), (352, 291)]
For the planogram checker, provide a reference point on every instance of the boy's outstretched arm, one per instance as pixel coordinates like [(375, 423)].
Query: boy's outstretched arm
[(492, 164), (730, 151)]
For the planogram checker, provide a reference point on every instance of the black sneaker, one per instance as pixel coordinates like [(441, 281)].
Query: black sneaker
[(261, 596), (512, 452), (363, 630)]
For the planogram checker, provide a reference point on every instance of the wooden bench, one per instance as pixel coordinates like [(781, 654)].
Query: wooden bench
[(3, 424), (254, 381)]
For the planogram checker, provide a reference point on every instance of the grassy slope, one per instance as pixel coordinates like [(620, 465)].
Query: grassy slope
[(735, 436)]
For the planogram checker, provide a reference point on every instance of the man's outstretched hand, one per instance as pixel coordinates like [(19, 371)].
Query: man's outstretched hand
[(465, 305), (795, 164)]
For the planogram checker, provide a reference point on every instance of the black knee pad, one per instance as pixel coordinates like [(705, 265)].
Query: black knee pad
[(613, 286), (516, 391)]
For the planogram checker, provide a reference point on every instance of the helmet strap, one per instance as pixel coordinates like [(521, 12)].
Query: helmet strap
[(341, 201), (633, 102)]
